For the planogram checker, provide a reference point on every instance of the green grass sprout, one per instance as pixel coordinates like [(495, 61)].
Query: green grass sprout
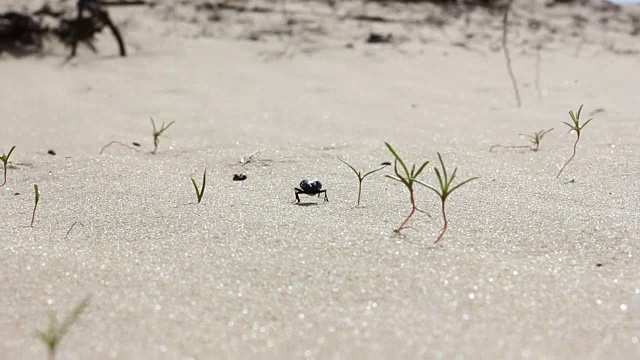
[(33, 216), (445, 189), (200, 191), (534, 139), (575, 117), (158, 133), (408, 179), (55, 331), (361, 177), (5, 160)]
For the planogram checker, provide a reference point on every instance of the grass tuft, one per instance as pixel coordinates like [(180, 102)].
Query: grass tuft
[(534, 139), (361, 177), (35, 206), (5, 160), (200, 191), (575, 126), (158, 133), (55, 331), (444, 190), (408, 178)]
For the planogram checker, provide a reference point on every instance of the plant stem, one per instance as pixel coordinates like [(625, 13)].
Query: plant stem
[(359, 191), (571, 158), (505, 27), (5, 175), (119, 143), (446, 224), (413, 210)]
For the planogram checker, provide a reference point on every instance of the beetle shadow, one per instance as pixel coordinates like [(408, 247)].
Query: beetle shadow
[(306, 204)]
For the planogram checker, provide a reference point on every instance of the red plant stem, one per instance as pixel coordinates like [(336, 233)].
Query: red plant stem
[(446, 224), (571, 158), (33, 216), (413, 210)]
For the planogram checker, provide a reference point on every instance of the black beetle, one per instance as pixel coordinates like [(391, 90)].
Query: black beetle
[(239, 177), (310, 187)]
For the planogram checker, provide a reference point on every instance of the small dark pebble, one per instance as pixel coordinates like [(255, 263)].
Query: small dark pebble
[(16, 193), (239, 177), (598, 265), (51, 152), (135, 143), (375, 38)]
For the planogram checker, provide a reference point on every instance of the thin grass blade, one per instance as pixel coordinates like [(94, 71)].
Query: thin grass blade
[(429, 187), (442, 187), (352, 168), (204, 182), (444, 169), (421, 168), (585, 124), (462, 183), (398, 158)]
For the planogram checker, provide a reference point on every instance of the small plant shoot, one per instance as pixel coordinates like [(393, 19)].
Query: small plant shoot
[(408, 178), (575, 126), (361, 177), (55, 331), (5, 161), (200, 191), (444, 190), (534, 139), (157, 133), (35, 205)]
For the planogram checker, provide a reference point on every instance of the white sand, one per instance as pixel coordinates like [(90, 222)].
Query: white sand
[(247, 274)]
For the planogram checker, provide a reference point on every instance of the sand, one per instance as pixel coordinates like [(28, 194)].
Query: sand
[(532, 266)]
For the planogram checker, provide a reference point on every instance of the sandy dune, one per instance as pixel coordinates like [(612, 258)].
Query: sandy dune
[(532, 267)]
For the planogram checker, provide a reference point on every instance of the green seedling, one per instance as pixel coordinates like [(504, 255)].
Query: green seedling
[(445, 189), (35, 206), (55, 331), (534, 139), (575, 118), (361, 177), (200, 191), (158, 133), (409, 178), (5, 160)]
